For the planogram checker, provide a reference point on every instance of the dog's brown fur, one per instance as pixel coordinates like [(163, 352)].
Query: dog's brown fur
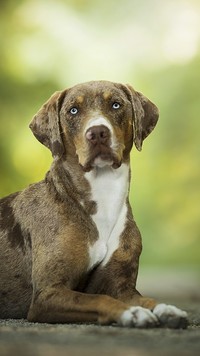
[(46, 228)]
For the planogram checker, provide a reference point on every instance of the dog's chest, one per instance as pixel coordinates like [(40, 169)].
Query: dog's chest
[(109, 190)]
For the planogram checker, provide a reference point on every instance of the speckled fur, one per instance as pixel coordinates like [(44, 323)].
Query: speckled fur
[(46, 229)]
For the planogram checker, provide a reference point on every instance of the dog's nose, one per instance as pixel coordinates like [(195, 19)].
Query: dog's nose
[(98, 134)]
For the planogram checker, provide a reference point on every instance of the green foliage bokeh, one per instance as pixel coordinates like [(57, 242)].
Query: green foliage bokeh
[(49, 45)]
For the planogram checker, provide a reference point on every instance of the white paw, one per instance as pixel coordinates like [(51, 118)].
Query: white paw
[(138, 317), (171, 316)]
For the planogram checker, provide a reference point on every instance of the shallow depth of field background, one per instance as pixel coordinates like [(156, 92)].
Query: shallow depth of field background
[(155, 46)]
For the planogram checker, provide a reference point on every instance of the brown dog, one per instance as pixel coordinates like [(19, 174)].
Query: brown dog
[(69, 244)]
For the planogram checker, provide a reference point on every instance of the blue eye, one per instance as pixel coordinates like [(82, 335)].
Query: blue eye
[(116, 106), (73, 111)]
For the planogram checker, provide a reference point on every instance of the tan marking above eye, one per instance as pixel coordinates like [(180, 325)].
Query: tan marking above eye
[(107, 95), (80, 99)]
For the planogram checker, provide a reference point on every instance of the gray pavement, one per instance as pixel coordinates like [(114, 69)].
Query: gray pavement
[(21, 338)]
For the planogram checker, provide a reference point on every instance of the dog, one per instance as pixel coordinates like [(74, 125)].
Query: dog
[(69, 245)]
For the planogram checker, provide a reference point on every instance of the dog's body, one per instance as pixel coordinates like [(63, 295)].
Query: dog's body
[(69, 245)]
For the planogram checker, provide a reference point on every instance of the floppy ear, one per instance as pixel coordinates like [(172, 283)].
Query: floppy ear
[(145, 116), (45, 124)]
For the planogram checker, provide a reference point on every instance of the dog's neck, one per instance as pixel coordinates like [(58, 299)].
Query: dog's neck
[(106, 186), (109, 188), (101, 194)]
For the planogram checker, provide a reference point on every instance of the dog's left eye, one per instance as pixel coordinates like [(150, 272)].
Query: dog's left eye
[(73, 111), (116, 105)]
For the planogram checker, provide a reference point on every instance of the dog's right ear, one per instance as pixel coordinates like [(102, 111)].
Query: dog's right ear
[(45, 125)]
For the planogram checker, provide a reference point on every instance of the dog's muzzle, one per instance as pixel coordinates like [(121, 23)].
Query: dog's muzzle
[(99, 143)]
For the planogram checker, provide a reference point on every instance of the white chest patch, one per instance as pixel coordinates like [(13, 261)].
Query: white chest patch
[(109, 190)]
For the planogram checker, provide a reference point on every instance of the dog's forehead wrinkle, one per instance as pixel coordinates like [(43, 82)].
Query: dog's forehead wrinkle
[(94, 90), (72, 100)]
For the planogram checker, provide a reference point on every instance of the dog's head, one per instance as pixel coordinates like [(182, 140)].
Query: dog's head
[(98, 122)]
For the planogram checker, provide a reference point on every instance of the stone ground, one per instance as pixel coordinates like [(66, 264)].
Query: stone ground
[(21, 338)]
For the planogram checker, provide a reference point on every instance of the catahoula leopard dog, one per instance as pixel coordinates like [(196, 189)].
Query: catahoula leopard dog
[(69, 245)]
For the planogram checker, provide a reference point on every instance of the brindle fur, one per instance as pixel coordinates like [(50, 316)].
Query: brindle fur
[(47, 227)]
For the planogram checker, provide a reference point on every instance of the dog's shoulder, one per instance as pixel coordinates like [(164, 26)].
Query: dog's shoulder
[(30, 193), (6, 209), (14, 209)]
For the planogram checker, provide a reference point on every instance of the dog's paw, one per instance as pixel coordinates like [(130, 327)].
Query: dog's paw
[(138, 317), (170, 316)]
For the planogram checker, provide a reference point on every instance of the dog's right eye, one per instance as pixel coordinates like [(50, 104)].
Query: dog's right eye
[(73, 111)]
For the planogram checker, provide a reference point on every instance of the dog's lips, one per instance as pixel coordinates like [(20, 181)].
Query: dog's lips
[(101, 160), (100, 155)]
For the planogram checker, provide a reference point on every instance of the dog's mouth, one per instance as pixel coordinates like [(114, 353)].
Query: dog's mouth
[(99, 148), (100, 157)]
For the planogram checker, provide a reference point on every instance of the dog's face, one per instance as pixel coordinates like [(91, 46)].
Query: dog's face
[(96, 122), (98, 118)]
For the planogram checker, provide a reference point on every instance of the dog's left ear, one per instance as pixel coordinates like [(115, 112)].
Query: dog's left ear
[(45, 125), (145, 116)]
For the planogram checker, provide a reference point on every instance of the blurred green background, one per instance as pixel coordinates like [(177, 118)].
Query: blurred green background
[(153, 45)]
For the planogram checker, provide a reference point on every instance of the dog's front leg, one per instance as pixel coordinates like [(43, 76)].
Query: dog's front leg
[(59, 304), (117, 278), (58, 265)]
